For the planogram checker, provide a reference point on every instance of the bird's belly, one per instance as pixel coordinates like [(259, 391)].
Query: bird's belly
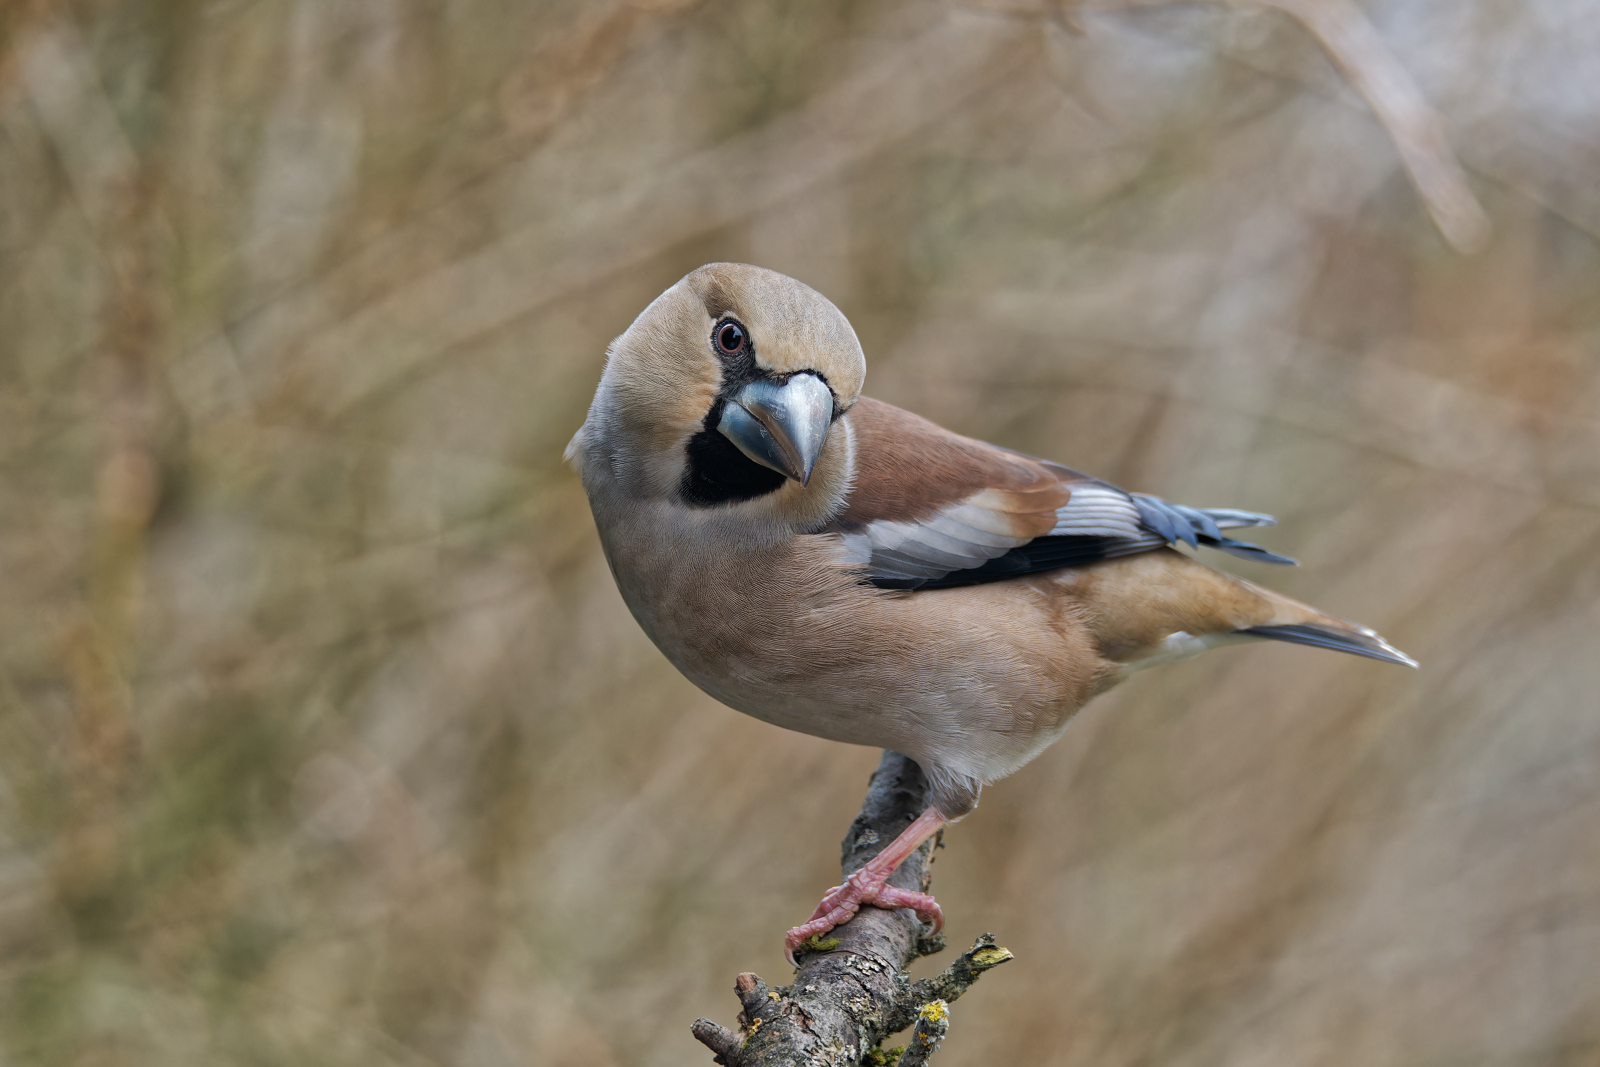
[(976, 680), (800, 677), (825, 712)]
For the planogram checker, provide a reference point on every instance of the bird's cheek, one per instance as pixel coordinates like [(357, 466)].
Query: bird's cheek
[(814, 505), (660, 415)]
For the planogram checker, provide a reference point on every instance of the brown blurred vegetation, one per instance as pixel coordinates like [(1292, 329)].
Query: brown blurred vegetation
[(325, 738)]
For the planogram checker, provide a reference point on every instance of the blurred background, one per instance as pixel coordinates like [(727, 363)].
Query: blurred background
[(326, 739)]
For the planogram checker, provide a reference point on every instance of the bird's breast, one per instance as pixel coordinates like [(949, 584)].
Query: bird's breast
[(979, 678)]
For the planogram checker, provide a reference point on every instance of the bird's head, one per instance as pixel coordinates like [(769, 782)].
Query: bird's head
[(726, 392)]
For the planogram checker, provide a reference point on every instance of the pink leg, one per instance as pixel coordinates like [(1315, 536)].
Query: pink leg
[(866, 886)]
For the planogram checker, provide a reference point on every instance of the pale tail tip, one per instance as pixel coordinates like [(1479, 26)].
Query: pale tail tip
[(1400, 657)]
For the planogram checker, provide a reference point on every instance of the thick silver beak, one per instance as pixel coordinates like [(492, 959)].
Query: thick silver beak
[(781, 426)]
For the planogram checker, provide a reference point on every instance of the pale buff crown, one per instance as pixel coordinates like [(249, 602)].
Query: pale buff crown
[(663, 375)]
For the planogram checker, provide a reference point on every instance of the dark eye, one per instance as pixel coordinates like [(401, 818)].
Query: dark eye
[(730, 338)]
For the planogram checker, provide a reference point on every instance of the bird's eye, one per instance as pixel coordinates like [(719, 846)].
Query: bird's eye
[(730, 338)]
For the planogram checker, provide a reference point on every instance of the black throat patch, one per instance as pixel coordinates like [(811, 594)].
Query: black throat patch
[(717, 472)]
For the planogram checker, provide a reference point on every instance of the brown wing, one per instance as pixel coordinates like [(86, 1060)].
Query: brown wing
[(930, 507), (908, 469)]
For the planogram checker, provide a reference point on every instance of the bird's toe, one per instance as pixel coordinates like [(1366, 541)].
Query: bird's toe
[(843, 901)]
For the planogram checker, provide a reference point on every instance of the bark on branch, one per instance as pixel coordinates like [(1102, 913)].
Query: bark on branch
[(851, 990)]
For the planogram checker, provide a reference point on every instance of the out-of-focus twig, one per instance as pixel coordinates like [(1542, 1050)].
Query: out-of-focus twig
[(851, 991), (1418, 131), (1416, 128), (541, 91), (423, 317)]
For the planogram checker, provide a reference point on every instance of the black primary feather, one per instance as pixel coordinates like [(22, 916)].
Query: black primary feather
[(1040, 554), (1166, 522), (1203, 526)]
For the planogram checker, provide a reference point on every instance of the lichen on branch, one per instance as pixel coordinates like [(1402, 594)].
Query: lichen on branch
[(851, 990)]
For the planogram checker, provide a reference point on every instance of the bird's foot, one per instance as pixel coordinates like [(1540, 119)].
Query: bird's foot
[(863, 887)]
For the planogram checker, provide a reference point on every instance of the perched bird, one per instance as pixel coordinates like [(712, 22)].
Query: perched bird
[(838, 566)]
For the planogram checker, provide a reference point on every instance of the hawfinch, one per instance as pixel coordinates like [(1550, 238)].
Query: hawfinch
[(832, 564)]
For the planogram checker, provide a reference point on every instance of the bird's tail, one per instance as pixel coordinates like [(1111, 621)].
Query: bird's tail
[(1164, 605), (1339, 636), (1294, 622)]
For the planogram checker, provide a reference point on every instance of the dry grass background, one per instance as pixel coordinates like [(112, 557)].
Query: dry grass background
[(326, 739)]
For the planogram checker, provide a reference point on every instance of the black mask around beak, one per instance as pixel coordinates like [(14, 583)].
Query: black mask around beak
[(780, 426)]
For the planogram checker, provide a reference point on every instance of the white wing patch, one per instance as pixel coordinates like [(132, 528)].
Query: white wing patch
[(1098, 511), (969, 534), (982, 527), (954, 539)]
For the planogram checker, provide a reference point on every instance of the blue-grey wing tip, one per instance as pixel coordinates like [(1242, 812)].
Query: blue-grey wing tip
[(1204, 526), (1233, 518), (1245, 550)]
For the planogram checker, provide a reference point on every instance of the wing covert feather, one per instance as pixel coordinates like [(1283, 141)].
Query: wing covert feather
[(933, 508)]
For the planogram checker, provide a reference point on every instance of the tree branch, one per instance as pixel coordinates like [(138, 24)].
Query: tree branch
[(851, 990)]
